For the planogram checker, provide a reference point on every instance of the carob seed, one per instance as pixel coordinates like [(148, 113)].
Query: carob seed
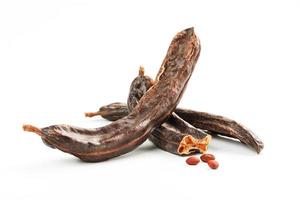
[(192, 160), (213, 164), (206, 157)]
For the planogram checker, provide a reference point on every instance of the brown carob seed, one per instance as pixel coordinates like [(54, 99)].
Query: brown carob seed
[(213, 164), (207, 157), (192, 160)]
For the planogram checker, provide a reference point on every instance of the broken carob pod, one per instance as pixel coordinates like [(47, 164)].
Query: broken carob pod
[(153, 109), (175, 135), (178, 137), (220, 125), (215, 124)]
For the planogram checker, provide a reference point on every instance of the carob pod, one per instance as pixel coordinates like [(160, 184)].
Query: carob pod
[(215, 124), (178, 137), (153, 109), (220, 125)]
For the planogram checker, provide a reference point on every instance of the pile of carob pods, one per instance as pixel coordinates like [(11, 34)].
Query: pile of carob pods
[(151, 113)]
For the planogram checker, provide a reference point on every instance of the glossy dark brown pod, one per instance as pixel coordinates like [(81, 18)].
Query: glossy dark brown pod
[(178, 137), (215, 124), (222, 126), (153, 109)]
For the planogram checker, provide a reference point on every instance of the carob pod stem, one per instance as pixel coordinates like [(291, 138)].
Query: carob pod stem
[(153, 109)]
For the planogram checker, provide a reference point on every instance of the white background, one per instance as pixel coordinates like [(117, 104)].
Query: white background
[(59, 59)]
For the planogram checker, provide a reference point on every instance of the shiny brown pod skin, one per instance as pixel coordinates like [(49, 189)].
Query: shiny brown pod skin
[(222, 126), (124, 135), (178, 137), (215, 124)]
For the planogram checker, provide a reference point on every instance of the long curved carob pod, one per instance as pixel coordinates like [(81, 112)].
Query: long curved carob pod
[(175, 135), (153, 109), (215, 124)]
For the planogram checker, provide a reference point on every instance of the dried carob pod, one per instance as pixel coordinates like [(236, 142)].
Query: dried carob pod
[(178, 137), (153, 109), (222, 126), (215, 124)]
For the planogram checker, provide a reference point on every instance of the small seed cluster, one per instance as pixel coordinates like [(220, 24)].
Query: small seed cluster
[(210, 159)]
